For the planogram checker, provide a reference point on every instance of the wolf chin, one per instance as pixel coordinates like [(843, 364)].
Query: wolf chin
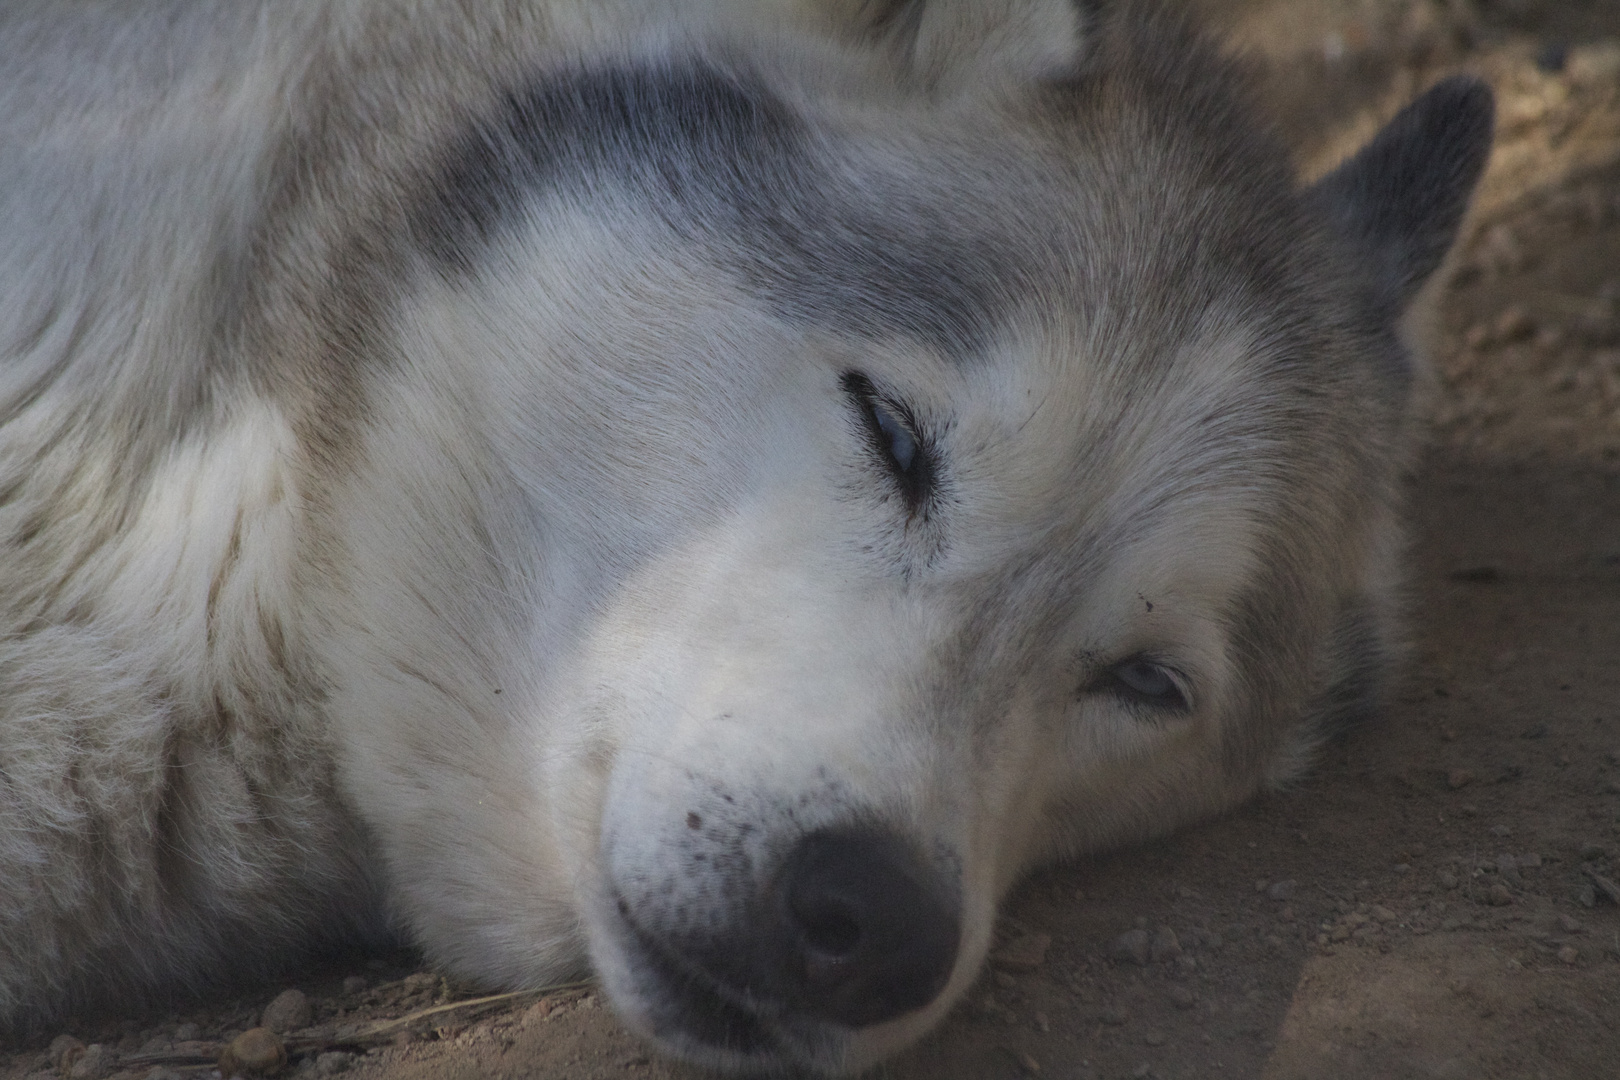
[(707, 492)]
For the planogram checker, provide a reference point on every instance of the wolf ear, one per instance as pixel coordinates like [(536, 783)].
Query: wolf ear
[(1402, 196), (952, 44)]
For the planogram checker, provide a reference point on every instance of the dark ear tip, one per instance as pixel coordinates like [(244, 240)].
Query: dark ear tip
[(1459, 111), (1468, 92), (1463, 102)]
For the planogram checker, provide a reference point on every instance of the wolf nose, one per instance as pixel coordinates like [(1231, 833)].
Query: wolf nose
[(875, 928)]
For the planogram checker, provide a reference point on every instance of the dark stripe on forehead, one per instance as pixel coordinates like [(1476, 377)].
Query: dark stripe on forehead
[(730, 168)]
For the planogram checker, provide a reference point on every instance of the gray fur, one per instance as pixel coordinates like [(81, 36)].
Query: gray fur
[(442, 491)]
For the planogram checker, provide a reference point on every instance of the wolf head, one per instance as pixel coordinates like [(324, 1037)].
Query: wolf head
[(856, 473)]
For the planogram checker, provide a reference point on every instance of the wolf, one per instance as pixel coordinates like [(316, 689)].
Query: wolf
[(706, 492)]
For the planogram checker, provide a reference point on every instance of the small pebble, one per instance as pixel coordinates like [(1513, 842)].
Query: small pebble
[(1181, 997), (1501, 830), (1111, 1017), (333, 1062), (1022, 954), (1569, 954), (288, 1011), (1154, 1038), (1569, 925), (1514, 324), (187, 1032), (1449, 881), (1166, 946), (64, 1050), (1499, 896), (1459, 778), (354, 984), (1383, 914), (1592, 852), (1280, 890), (94, 1063), (1132, 946), (256, 1052), (1028, 1064)]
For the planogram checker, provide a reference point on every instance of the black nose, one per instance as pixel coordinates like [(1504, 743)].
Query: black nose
[(872, 929)]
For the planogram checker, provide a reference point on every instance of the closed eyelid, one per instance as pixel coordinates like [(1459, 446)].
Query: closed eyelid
[(896, 437)]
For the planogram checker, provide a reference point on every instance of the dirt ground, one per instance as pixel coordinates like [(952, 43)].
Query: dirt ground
[(1438, 899)]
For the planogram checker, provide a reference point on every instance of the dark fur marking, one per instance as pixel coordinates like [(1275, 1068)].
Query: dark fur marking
[(719, 158)]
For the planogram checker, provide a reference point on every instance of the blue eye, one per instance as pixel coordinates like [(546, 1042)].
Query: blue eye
[(1149, 683)]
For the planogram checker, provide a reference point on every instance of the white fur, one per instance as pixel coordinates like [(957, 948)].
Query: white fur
[(455, 619)]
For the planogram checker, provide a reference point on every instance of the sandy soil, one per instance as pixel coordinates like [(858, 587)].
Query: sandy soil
[(1434, 901)]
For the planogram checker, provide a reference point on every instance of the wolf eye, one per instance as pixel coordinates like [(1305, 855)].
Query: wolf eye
[(893, 434), (901, 446), (1148, 683)]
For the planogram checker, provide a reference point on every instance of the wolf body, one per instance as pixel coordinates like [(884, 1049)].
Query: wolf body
[(711, 492)]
